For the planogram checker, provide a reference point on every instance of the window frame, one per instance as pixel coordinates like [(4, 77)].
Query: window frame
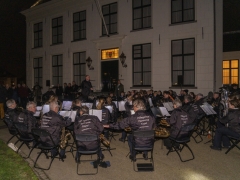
[(38, 67), (79, 24), (38, 32), (110, 14), (61, 65), (183, 55), (80, 64), (230, 74), (141, 58), (141, 7), (58, 35), (182, 12)]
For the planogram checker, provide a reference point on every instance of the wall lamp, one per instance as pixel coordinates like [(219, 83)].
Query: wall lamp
[(89, 63), (122, 59)]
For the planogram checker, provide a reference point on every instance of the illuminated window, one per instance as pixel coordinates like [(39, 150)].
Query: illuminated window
[(230, 71), (110, 54)]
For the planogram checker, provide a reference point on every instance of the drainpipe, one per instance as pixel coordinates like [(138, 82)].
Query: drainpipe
[(214, 45)]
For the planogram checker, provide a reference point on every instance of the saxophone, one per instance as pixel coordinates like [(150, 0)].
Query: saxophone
[(104, 140), (66, 135)]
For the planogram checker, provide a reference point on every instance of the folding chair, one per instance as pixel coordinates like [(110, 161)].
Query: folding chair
[(40, 135), (234, 142), (11, 130), (87, 138), (24, 136), (197, 130), (149, 134), (182, 138)]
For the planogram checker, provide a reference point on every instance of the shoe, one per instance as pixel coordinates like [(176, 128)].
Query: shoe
[(132, 158), (226, 147), (145, 156), (121, 139), (215, 148)]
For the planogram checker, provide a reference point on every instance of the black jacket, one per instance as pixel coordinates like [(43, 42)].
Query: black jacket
[(28, 119), (86, 88), (140, 121), (233, 120), (12, 115), (88, 124), (54, 123)]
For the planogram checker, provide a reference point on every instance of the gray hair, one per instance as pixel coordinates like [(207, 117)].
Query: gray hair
[(139, 104), (10, 102), (188, 98), (30, 103), (53, 105), (177, 102), (85, 109)]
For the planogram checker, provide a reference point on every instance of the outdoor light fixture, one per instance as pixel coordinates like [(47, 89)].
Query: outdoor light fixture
[(122, 59), (89, 63)]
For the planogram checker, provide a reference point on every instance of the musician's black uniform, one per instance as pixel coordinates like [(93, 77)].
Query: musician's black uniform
[(11, 115), (28, 119), (106, 119), (140, 121), (54, 123), (88, 124), (232, 129)]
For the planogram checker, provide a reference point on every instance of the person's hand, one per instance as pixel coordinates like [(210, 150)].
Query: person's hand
[(106, 126), (91, 88)]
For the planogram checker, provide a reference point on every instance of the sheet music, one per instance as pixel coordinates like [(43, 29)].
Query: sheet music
[(97, 113), (132, 112), (71, 114), (66, 105), (116, 103), (110, 108), (168, 106), (121, 105), (45, 108), (164, 111), (208, 109), (97, 101), (37, 113), (150, 102), (39, 108), (89, 105)]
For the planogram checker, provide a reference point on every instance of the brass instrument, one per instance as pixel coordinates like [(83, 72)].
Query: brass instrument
[(66, 135), (19, 109), (128, 129), (104, 140), (161, 132), (164, 122)]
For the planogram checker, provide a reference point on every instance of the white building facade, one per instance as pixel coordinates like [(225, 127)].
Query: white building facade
[(168, 44)]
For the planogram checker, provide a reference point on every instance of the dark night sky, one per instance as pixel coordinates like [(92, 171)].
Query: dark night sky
[(13, 32)]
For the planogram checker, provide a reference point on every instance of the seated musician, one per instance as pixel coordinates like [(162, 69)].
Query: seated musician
[(11, 114), (179, 118), (122, 96), (54, 123), (140, 121), (231, 126), (156, 99), (114, 111), (87, 124), (27, 117), (76, 106), (166, 98)]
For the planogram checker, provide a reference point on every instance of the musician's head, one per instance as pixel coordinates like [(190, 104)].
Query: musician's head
[(76, 102), (87, 77), (188, 98), (177, 103), (54, 106), (100, 103), (31, 106), (216, 95), (233, 104), (11, 104), (109, 99), (53, 98), (166, 94), (199, 96), (138, 104), (84, 110)]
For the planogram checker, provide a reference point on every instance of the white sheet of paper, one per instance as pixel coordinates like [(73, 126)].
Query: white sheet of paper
[(121, 105), (39, 108), (97, 113), (66, 105), (45, 108), (150, 102), (132, 112), (89, 105), (37, 113), (208, 109), (116, 103), (71, 114), (110, 108), (168, 106), (164, 111)]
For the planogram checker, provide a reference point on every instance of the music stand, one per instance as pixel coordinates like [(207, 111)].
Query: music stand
[(168, 106)]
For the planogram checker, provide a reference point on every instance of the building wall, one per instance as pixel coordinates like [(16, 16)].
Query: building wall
[(160, 37)]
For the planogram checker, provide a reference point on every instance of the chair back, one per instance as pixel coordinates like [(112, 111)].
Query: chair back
[(22, 129), (8, 122), (87, 137), (145, 137), (144, 134), (40, 135), (186, 130)]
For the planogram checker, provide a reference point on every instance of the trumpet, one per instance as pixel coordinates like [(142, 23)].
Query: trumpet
[(104, 140), (161, 132), (128, 129)]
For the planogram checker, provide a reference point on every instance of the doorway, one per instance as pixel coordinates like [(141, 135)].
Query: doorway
[(109, 75)]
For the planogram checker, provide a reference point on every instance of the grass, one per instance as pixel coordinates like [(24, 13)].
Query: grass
[(13, 166)]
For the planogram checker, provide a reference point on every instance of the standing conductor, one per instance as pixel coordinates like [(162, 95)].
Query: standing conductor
[(119, 88), (86, 87)]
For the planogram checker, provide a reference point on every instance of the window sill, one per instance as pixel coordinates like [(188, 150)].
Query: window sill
[(182, 87), (37, 47), (141, 87), (142, 29), (56, 44), (79, 40), (109, 35), (181, 23)]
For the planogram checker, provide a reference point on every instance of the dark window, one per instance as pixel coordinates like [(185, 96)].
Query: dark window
[(37, 67), (38, 33), (142, 65), (182, 11), (57, 70), (183, 62), (141, 14), (110, 16), (79, 67), (57, 30), (79, 25)]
